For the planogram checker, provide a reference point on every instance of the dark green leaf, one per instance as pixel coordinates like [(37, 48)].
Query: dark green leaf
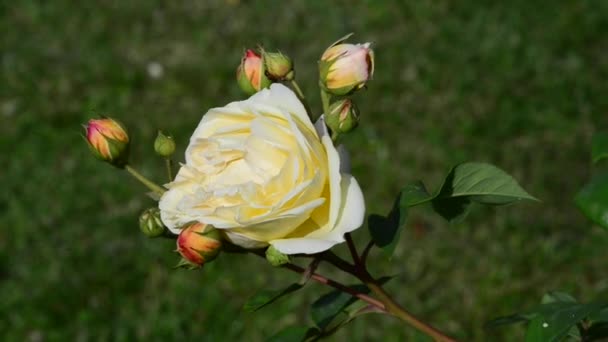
[(599, 147), (265, 297), (452, 209), (534, 333), (557, 296), (332, 309), (294, 334), (476, 182), (331, 304), (597, 332), (592, 200), (385, 231), (553, 326), (601, 315)]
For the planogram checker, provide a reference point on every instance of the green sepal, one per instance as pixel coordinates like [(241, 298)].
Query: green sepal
[(341, 40), (183, 263)]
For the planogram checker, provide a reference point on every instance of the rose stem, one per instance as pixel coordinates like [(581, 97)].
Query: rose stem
[(359, 271), (151, 185), (297, 89), (329, 282), (365, 252), (169, 166), (352, 248), (324, 280), (325, 98)]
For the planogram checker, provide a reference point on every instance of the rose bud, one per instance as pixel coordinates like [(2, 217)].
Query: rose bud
[(343, 116), (276, 258), (345, 68), (278, 66), (150, 223), (198, 243), (108, 140), (251, 73), (164, 145)]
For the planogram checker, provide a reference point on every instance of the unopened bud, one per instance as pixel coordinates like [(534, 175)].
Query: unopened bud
[(150, 223), (276, 258), (164, 145), (345, 68), (343, 116), (251, 73), (278, 66), (108, 140), (198, 244)]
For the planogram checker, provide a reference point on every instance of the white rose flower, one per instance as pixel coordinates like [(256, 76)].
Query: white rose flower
[(263, 174)]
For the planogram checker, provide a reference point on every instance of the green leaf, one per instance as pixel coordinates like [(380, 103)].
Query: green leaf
[(553, 326), (592, 200), (557, 297), (294, 334), (466, 183), (385, 231), (476, 182), (599, 147), (265, 297), (415, 193), (332, 309), (331, 304), (601, 315), (534, 333)]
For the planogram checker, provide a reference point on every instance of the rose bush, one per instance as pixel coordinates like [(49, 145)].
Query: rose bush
[(263, 174)]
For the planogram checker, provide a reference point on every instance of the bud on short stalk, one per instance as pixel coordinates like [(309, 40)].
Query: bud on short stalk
[(150, 223), (251, 73), (198, 244), (278, 66), (343, 116), (108, 140), (345, 68), (164, 145), (276, 258)]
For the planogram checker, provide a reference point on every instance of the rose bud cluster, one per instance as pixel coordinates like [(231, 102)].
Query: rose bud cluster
[(345, 68), (251, 73), (198, 244), (108, 140)]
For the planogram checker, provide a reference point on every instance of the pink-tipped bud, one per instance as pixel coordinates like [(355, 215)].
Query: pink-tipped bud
[(108, 140), (343, 116), (198, 243), (345, 68), (251, 73)]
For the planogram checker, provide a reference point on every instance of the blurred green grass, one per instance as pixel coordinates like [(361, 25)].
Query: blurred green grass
[(519, 84)]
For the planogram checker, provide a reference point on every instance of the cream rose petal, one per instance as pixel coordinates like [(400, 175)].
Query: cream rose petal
[(352, 213), (280, 96)]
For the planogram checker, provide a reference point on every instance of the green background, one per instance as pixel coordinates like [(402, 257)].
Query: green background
[(520, 84)]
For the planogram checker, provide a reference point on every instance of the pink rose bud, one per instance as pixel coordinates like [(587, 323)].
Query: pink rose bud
[(198, 243), (108, 141), (278, 66), (343, 116), (345, 68), (251, 73)]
